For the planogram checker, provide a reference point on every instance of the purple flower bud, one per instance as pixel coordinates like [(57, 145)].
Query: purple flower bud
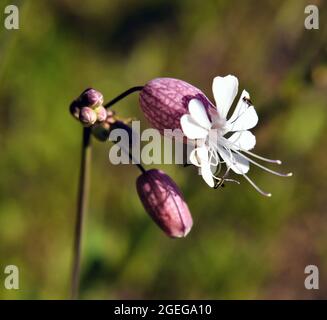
[(91, 98), (164, 202), (165, 100), (87, 116), (101, 113)]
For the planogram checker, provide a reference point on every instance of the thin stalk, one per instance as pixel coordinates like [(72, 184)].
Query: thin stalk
[(141, 168), (83, 192), (122, 96), (82, 200)]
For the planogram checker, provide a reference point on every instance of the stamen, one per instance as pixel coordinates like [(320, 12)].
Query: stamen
[(223, 179), (214, 146), (233, 180), (219, 183), (253, 154), (266, 194), (261, 158), (263, 167), (217, 170)]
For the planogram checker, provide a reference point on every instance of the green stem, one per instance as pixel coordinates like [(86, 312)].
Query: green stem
[(83, 192)]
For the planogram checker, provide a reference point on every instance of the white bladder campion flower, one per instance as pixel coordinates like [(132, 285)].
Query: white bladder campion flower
[(219, 140)]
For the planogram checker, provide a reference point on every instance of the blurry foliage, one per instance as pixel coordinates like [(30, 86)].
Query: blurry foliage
[(242, 245)]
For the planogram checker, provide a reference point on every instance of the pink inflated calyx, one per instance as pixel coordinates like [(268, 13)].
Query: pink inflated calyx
[(165, 100), (164, 202)]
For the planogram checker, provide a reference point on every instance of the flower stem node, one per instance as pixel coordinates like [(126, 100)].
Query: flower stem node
[(164, 202)]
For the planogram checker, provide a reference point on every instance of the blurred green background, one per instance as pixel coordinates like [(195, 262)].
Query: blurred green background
[(242, 245)]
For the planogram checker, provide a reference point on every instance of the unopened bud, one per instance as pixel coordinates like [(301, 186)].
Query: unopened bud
[(82, 108), (165, 100), (164, 202), (91, 98), (87, 116)]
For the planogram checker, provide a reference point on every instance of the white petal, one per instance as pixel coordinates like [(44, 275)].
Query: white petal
[(194, 159), (202, 153), (243, 140), (241, 106), (207, 174), (247, 120), (224, 90), (237, 163), (192, 129), (199, 155), (198, 113)]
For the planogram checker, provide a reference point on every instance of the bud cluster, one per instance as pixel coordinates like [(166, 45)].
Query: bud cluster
[(88, 108)]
